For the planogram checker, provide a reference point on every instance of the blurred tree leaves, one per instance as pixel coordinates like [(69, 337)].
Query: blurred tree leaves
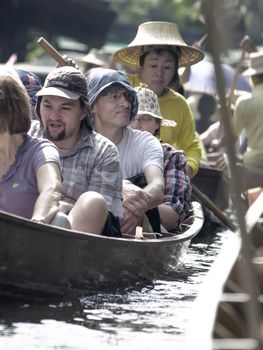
[(239, 17), (131, 13)]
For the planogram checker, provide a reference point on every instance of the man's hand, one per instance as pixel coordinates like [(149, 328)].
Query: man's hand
[(68, 62), (65, 207), (135, 199), (248, 45), (129, 222), (135, 203), (189, 171)]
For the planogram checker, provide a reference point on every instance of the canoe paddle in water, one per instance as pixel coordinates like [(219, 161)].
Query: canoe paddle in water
[(210, 205)]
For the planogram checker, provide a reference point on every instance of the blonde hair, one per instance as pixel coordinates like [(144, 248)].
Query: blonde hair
[(15, 111)]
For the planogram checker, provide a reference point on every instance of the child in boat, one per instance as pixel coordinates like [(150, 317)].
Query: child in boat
[(30, 181), (177, 192)]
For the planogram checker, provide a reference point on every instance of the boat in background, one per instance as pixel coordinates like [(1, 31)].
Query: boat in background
[(214, 184), (39, 260), (210, 187)]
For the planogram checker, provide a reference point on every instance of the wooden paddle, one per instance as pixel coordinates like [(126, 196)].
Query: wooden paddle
[(247, 46), (184, 77), (52, 51), (211, 206)]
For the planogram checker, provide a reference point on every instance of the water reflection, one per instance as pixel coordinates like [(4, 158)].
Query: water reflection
[(144, 318)]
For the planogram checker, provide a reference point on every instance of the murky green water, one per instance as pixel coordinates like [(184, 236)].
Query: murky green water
[(154, 317)]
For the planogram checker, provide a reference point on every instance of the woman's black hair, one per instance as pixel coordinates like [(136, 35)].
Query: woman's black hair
[(158, 131)]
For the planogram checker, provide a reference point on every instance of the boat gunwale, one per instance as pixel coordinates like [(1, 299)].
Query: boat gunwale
[(190, 232)]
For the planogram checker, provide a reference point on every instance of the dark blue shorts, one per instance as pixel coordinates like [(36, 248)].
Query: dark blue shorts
[(112, 226)]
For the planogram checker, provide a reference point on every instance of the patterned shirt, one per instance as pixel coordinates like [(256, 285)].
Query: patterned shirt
[(91, 165), (178, 190)]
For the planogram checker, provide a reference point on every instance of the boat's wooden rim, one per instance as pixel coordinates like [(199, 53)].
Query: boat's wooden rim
[(189, 233)]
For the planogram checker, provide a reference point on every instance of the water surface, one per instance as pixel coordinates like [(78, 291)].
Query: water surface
[(150, 317)]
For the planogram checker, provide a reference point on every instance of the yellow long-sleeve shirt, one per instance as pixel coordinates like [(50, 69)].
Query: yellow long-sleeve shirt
[(173, 106)]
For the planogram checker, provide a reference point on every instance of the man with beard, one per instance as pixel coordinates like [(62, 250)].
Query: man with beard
[(91, 173)]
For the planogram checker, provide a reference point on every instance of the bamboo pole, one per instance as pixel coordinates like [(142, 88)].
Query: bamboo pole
[(211, 10), (211, 206)]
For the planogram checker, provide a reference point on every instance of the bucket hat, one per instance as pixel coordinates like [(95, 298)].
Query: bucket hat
[(99, 79), (157, 34), (256, 64), (32, 84), (148, 104)]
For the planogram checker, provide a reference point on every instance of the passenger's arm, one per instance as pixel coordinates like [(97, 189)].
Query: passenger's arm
[(49, 187), (155, 185), (137, 201)]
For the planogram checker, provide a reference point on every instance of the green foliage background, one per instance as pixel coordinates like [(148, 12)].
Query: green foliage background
[(237, 18)]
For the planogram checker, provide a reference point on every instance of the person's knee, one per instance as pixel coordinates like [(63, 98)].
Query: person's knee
[(93, 201)]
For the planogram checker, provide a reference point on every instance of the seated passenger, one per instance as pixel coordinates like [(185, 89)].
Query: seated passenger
[(177, 191), (113, 105), (91, 173), (158, 51), (30, 181)]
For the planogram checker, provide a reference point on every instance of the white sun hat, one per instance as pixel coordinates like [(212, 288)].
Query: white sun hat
[(148, 104)]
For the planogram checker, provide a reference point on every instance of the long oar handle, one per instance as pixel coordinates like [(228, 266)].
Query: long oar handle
[(235, 78), (210, 205), (52, 51), (247, 46), (201, 41)]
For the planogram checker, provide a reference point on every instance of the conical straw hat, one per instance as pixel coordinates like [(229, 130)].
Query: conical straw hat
[(94, 57), (161, 34)]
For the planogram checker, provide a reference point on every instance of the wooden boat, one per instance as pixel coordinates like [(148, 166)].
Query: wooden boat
[(38, 260), (230, 300), (210, 187), (214, 184)]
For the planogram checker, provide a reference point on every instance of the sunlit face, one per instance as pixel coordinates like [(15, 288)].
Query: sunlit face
[(145, 122), (112, 108), (158, 70), (61, 119)]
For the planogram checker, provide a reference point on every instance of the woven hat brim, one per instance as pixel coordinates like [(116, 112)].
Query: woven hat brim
[(165, 122), (91, 59), (130, 56)]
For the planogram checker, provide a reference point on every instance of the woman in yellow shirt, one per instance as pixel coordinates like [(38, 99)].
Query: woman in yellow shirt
[(158, 51)]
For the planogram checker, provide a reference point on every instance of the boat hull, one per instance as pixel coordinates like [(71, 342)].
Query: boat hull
[(38, 259)]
